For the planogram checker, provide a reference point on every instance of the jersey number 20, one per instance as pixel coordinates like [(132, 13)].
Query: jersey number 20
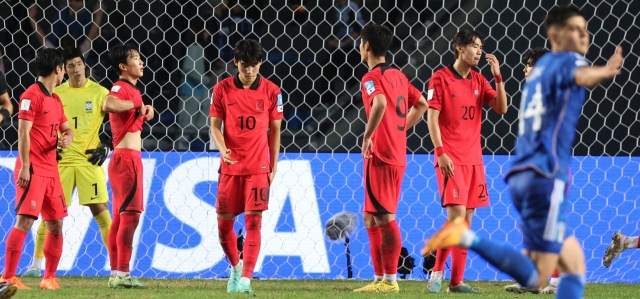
[(535, 109)]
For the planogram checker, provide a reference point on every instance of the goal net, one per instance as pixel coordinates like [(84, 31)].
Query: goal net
[(311, 54)]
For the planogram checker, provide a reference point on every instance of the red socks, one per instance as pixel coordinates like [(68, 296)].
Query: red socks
[(251, 248), (458, 264), (390, 247), (228, 240), (375, 244), (15, 240), (128, 225), (441, 258), (555, 273), (113, 242), (52, 252)]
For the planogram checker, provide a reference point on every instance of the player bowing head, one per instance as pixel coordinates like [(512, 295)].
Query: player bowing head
[(392, 105), (247, 56), (50, 62)]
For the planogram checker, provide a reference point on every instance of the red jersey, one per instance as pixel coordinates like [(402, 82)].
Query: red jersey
[(459, 101), (389, 140), (45, 111), (127, 121), (246, 115)]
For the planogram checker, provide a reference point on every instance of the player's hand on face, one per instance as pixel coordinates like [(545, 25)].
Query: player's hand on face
[(149, 113), (226, 156), (24, 177), (494, 63), (446, 165), (367, 148), (64, 141), (615, 62)]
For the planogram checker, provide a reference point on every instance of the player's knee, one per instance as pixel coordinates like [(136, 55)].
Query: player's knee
[(455, 211), (369, 221), (98, 208), (572, 257), (54, 226)]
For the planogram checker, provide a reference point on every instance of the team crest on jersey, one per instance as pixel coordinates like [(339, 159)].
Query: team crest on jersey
[(88, 106), (259, 105), (475, 92), (370, 87)]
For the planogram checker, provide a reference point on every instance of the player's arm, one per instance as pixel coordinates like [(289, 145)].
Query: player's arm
[(218, 140), (274, 145), (499, 102), (6, 108), (95, 27), (66, 135), (444, 162), (591, 76), (24, 146), (113, 104), (417, 111), (378, 106)]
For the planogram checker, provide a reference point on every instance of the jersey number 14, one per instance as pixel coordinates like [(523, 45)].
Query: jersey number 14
[(534, 109)]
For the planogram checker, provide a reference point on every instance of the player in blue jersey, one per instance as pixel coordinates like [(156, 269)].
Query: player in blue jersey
[(551, 103)]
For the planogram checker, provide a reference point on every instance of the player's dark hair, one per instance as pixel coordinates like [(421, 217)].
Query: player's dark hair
[(465, 38), (71, 53), (119, 54), (533, 55), (248, 51), (559, 15), (47, 60), (379, 37)]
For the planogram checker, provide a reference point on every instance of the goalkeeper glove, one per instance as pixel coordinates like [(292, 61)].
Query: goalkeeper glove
[(99, 155), (58, 156)]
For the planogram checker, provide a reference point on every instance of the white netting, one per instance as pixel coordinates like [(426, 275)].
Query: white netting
[(320, 174)]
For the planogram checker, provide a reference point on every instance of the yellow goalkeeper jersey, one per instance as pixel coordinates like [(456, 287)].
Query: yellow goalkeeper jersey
[(83, 108)]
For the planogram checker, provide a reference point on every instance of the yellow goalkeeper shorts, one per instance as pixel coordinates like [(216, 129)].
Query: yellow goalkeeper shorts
[(90, 181)]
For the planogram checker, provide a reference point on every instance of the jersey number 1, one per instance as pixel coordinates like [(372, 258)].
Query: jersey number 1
[(535, 109)]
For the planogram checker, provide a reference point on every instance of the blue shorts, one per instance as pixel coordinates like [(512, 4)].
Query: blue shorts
[(541, 202)]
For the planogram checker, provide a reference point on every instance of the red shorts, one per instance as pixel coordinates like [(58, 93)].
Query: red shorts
[(241, 193), (382, 185), (125, 177), (467, 187), (43, 195)]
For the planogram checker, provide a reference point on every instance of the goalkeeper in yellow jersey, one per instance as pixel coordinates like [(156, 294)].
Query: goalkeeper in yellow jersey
[(80, 165)]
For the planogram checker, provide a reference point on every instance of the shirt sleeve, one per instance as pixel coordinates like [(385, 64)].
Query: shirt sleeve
[(216, 108), (414, 95), (488, 91), (30, 105), (371, 87), (119, 91), (3, 84), (568, 71), (276, 107), (435, 94)]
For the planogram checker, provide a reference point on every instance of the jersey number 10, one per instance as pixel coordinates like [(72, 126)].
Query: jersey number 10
[(534, 109)]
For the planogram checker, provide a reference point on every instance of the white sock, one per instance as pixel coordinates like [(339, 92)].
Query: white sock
[(390, 278), (114, 273), (245, 280), (237, 267), (37, 263), (122, 274), (377, 278), (467, 238), (631, 242), (554, 281)]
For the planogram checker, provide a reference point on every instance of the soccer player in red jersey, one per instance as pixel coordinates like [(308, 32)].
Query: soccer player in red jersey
[(127, 112), (392, 105), (38, 187), (456, 96), (250, 106)]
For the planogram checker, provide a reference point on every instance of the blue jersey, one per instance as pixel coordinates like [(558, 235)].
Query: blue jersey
[(550, 107)]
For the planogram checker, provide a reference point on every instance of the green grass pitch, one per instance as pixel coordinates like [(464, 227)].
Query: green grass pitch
[(96, 287)]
